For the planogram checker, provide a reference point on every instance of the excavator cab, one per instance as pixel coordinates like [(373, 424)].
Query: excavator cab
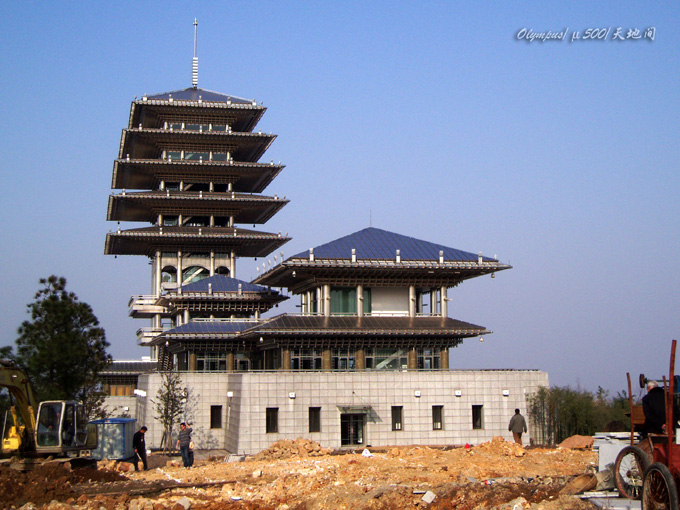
[(61, 428)]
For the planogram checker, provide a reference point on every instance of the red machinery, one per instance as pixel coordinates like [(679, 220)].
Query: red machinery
[(660, 485)]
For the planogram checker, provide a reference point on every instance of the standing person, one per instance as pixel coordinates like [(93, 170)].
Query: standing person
[(654, 407), (183, 443), (139, 444), (517, 426)]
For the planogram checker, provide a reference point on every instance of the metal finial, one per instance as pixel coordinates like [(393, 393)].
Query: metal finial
[(194, 67)]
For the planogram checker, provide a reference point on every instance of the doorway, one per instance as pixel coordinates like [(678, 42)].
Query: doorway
[(352, 429)]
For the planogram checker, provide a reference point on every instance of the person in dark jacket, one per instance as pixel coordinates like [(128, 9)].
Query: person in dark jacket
[(517, 425), (654, 407), (139, 445)]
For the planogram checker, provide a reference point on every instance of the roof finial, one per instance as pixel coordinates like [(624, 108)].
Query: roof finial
[(194, 67)]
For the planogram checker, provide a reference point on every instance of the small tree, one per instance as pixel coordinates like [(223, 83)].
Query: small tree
[(169, 405), (62, 347), (92, 396)]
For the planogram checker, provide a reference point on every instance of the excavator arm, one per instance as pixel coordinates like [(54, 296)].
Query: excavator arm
[(19, 386)]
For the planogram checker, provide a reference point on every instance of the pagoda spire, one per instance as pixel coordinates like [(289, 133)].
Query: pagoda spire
[(194, 67)]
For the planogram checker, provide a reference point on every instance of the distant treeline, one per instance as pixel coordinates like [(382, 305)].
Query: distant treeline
[(560, 412)]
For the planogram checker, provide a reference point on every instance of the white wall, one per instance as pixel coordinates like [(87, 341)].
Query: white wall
[(389, 300), (243, 423)]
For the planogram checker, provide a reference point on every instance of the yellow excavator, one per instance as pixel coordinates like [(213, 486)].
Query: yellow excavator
[(58, 429)]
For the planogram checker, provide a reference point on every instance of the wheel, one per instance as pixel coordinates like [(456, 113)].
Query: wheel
[(631, 465), (658, 490)]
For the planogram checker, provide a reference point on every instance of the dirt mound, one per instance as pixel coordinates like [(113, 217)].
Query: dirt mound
[(500, 446), (46, 482), (584, 442), (287, 448), (497, 474)]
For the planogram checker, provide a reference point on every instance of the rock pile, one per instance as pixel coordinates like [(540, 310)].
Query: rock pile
[(287, 448), (500, 446)]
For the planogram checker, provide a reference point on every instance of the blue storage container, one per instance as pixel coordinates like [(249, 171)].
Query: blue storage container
[(114, 438)]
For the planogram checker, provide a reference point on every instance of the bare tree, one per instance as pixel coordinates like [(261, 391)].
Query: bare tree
[(169, 406)]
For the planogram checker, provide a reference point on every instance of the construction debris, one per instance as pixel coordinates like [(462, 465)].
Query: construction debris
[(298, 474)]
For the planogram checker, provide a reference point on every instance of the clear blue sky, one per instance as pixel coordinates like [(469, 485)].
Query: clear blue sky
[(430, 118)]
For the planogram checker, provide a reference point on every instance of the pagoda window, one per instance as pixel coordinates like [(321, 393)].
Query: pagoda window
[(397, 417), (315, 419), (429, 358), (241, 362), (211, 362), (199, 186), (222, 270), (221, 221), (477, 417), (194, 274), (343, 359), (219, 156), (305, 359), (437, 417), (175, 126), (170, 221), (219, 127), (195, 156), (198, 127), (169, 275), (272, 420), (182, 361), (344, 301), (173, 155), (172, 186), (378, 358), (420, 303), (197, 221)]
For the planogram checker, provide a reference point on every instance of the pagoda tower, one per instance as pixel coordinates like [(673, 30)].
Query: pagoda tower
[(189, 168)]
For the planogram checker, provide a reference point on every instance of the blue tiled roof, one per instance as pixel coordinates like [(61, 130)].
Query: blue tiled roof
[(376, 244), (221, 283), (210, 327), (191, 94)]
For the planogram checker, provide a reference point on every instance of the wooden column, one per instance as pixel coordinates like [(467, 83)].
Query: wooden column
[(360, 300), (411, 301), (444, 358), (285, 359), (443, 306), (230, 361), (192, 362), (412, 359), (326, 360), (360, 359), (327, 300)]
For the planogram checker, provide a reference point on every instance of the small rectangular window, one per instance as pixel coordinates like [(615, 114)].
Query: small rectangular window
[(437, 417), (215, 417), (315, 419), (272, 420), (477, 417), (397, 417)]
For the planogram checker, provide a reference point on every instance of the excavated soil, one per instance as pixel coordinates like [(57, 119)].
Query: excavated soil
[(299, 475)]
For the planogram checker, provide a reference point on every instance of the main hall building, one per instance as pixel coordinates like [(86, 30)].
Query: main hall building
[(365, 362)]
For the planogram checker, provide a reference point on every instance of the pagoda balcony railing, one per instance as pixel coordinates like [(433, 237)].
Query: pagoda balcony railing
[(146, 335), (226, 319), (145, 305), (370, 314)]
